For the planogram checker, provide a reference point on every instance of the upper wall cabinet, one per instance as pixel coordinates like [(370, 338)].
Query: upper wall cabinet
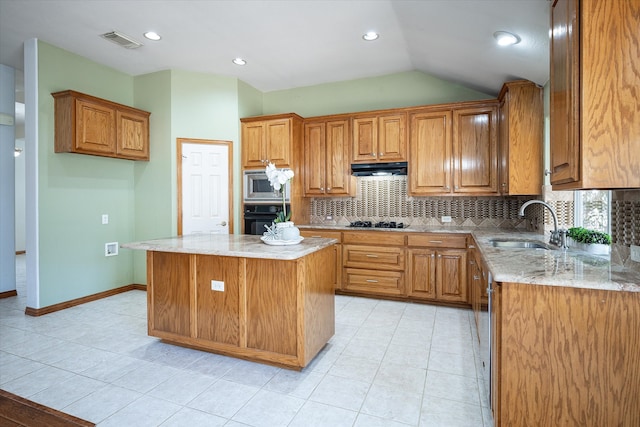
[(454, 151), (88, 125), (521, 138), (595, 76), (269, 139), (380, 138), (326, 158)]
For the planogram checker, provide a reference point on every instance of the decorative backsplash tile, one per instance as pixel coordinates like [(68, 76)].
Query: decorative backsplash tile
[(386, 199)]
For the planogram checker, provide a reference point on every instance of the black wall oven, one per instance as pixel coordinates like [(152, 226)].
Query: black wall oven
[(257, 216)]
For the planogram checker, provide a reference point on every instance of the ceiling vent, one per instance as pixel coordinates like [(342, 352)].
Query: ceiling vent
[(121, 39)]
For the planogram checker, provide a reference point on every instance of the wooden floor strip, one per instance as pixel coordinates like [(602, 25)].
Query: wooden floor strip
[(18, 411)]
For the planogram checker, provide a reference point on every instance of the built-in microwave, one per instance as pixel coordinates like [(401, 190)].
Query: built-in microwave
[(257, 189)]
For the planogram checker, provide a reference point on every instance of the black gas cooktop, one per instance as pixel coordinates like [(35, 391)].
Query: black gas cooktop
[(381, 224)]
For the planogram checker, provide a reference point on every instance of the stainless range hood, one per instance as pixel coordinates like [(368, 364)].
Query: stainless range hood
[(379, 169)]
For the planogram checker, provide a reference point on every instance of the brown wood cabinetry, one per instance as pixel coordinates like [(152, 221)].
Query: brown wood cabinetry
[(439, 271), (521, 138), (380, 138), (337, 247), (454, 151), (270, 139), (595, 122), (564, 356), (475, 150), (85, 124), (326, 158), (275, 311)]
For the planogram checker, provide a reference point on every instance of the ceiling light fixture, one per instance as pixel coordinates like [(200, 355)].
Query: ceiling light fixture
[(239, 61), (505, 38), (370, 36), (152, 35)]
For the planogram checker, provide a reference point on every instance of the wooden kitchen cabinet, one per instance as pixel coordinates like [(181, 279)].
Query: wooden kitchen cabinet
[(595, 122), (374, 263), (521, 138), (380, 138), (475, 150), (430, 152), (310, 232), (437, 272), (564, 356), (85, 124), (326, 158), (454, 151), (270, 139)]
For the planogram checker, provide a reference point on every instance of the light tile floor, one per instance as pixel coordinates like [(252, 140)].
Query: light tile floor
[(389, 364)]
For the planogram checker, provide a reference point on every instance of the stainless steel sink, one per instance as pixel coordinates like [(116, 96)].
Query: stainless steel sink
[(519, 244)]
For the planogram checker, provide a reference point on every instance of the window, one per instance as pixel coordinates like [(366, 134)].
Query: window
[(592, 210)]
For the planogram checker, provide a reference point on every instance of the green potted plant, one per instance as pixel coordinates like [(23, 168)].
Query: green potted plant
[(592, 241)]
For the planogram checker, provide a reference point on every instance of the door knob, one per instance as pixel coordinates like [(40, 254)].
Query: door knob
[(223, 223)]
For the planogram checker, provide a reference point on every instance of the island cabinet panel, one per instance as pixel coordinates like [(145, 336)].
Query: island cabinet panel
[(275, 311), (567, 356), (217, 316), (169, 297), (337, 278), (272, 310)]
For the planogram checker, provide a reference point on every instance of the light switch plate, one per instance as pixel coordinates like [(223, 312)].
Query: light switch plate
[(217, 285), (446, 218), (105, 219), (635, 253)]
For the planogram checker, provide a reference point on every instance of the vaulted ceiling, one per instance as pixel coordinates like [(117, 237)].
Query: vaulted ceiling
[(294, 43)]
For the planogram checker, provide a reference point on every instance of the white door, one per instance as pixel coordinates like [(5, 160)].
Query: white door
[(205, 188)]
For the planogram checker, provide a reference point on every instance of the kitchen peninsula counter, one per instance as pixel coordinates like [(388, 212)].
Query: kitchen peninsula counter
[(235, 295)]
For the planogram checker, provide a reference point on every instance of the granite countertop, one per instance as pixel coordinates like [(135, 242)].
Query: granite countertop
[(569, 268), (233, 245)]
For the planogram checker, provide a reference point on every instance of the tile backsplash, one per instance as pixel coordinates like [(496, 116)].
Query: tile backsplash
[(386, 199), (625, 226)]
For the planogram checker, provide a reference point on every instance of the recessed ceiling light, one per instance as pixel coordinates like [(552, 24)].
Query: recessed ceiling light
[(151, 35), (370, 36), (239, 61), (505, 38)]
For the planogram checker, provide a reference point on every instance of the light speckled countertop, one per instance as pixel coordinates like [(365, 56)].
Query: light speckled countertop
[(233, 245), (572, 268)]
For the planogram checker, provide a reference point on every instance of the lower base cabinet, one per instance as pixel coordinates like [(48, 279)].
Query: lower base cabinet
[(564, 356), (279, 312)]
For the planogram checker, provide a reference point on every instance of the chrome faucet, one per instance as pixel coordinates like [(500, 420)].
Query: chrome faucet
[(558, 237)]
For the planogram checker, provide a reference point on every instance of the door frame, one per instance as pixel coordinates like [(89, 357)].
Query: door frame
[(229, 145)]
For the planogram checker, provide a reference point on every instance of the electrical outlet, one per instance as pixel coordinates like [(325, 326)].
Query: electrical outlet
[(446, 218), (111, 249), (635, 253), (105, 219), (217, 285)]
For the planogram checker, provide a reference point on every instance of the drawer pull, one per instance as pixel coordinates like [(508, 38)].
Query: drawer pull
[(372, 281), (316, 236), (372, 256), (435, 241), (471, 247)]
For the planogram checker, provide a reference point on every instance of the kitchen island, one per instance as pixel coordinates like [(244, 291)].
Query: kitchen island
[(235, 295)]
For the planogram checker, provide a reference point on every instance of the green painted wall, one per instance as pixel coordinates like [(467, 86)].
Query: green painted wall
[(153, 184), (374, 93), (75, 190)]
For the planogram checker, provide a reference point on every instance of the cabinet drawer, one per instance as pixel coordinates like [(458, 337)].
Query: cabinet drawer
[(380, 258), (322, 233), (438, 240), (387, 238), (373, 281)]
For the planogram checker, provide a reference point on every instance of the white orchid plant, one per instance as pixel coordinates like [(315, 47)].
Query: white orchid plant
[(278, 178)]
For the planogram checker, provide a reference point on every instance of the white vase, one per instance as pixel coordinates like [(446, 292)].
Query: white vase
[(287, 230)]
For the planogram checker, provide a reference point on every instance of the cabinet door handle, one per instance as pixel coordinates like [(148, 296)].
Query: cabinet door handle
[(433, 256), (476, 277), (439, 256), (321, 188), (381, 154), (372, 256), (372, 281), (328, 188)]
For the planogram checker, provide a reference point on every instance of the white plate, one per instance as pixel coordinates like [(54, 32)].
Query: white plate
[(281, 242)]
